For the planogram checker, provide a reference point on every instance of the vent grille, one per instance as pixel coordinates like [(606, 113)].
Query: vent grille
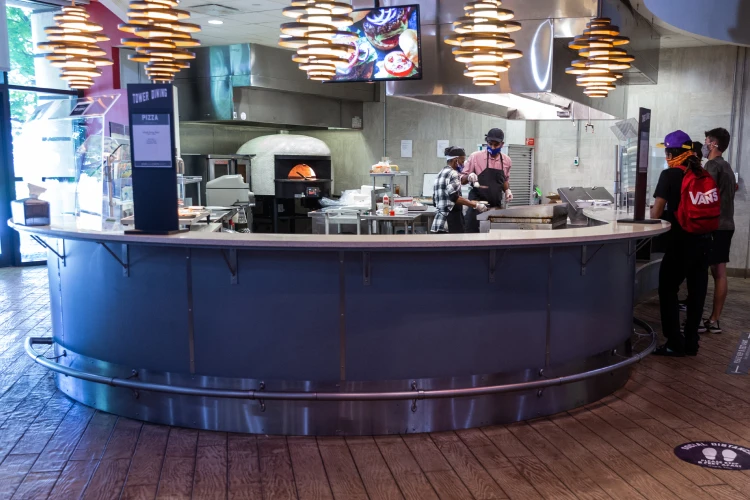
[(521, 175)]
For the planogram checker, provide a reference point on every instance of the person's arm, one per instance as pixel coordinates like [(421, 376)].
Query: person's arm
[(454, 193), (657, 209), (466, 203), (468, 169), (506, 185), (660, 196)]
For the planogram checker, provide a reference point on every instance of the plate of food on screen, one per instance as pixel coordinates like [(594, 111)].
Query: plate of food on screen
[(387, 46)]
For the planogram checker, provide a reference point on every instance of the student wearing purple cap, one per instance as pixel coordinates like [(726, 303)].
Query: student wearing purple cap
[(686, 254)]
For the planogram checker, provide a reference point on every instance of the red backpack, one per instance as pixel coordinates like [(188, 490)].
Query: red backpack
[(699, 209)]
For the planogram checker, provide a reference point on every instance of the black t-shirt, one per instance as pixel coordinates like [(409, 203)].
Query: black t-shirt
[(669, 187)]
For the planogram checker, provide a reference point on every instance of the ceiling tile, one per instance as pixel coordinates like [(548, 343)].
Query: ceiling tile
[(259, 17)]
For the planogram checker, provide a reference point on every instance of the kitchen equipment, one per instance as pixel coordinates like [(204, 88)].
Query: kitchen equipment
[(524, 217), (229, 190), (579, 198)]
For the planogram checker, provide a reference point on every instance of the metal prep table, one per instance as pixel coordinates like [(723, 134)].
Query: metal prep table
[(390, 221)]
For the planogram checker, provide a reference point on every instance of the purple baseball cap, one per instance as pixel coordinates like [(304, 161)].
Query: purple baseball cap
[(676, 139)]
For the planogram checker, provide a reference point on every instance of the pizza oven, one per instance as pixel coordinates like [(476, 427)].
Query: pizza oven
[(290, 173)]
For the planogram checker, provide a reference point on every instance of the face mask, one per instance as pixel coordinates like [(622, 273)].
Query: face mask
[(706, 150), (493, 151), (459, 167)]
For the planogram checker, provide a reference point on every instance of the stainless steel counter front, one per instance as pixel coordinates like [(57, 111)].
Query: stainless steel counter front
[(339, 331)]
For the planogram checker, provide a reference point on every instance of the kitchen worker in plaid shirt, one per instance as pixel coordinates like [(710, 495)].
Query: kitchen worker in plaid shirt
[(447, 195)]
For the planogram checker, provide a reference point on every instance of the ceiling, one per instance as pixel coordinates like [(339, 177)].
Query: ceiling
[(257, 21), (671, 37)]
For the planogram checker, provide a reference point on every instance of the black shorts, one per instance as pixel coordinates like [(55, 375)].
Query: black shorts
[(721, 245)]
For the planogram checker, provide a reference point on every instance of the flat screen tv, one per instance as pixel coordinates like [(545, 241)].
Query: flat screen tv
[(388, 46)]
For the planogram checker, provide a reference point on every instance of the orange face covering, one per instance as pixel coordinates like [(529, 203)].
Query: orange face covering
[(677, 161)]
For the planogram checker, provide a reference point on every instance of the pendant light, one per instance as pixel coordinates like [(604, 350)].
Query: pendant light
[(602, 60), (162, 38), (319, 37), (482, 41), (72, 47)]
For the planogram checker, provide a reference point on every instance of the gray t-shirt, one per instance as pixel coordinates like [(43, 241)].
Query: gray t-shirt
[(724, 177)]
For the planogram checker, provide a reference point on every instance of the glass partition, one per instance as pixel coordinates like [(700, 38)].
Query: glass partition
[(66, 147)]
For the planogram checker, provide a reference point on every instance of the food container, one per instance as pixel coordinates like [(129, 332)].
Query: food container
[(30, 212)]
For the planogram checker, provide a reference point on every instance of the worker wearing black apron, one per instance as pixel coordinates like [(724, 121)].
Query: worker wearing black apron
[(447, 195), (488, 180)]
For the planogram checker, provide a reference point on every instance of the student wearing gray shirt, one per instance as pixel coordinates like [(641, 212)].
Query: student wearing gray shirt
[(717, 141)]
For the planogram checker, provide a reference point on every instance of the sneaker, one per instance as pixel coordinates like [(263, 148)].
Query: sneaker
[(701, 326), (711, 326), (682, 305), (663, 350)]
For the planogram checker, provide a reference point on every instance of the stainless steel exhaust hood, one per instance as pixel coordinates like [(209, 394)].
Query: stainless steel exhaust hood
[(540, 74), (256, 85)]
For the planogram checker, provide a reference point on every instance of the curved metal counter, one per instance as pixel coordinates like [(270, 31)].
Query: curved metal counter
[(314, 334)]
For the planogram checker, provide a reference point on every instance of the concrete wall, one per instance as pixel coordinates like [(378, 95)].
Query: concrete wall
[(353, 152), (694, 94)]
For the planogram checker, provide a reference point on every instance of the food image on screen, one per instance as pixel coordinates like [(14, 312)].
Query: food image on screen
[(387, 46), (384, 26)]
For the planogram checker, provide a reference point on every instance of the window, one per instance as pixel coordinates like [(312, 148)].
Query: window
[(33, 82)]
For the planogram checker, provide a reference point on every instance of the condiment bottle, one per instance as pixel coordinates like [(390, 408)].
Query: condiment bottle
[(386, 204)]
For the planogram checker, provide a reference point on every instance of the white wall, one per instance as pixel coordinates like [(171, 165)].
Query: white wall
[(353, 152)]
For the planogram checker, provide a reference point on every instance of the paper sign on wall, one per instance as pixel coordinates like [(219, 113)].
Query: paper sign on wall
[(406, 149), (442, 144)]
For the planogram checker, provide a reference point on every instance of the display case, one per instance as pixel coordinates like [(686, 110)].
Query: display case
[(80, 147), (626, 132)]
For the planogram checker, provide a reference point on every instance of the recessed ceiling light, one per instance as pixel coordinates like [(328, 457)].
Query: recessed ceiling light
[(215, 21)]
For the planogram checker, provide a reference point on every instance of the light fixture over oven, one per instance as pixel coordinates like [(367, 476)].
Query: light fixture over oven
[(482, 41), (162, 37), (318, 36), (72, 46)]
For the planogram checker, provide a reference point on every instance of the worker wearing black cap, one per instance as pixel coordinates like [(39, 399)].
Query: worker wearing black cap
[(487, 172)]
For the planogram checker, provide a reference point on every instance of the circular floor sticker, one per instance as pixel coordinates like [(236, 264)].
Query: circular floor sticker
[(722, 456)]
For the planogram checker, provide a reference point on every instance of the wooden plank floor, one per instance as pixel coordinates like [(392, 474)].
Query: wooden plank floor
[(621, 447)]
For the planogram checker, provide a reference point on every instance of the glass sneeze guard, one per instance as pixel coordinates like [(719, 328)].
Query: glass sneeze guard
[(70, 141)]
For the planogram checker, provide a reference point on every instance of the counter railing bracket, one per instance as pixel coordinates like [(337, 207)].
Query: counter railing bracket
[(585, 260), (261, 388), (639, 245), (48, 247), (125, 254), (366, 278), (494, 263), (420, 395), (231, 261)]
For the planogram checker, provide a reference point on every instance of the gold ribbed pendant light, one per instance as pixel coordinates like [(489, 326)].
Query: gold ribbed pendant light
[(162, 37), (602, 61), (72, 46), (318, 36), (482, 41)]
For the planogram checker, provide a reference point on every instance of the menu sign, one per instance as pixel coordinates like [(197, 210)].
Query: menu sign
[(641, 177), (152, 143), (152, 118)]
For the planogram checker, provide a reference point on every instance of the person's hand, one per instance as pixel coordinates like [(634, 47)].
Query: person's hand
[(508, 196), (480, 207), (472, 178)]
